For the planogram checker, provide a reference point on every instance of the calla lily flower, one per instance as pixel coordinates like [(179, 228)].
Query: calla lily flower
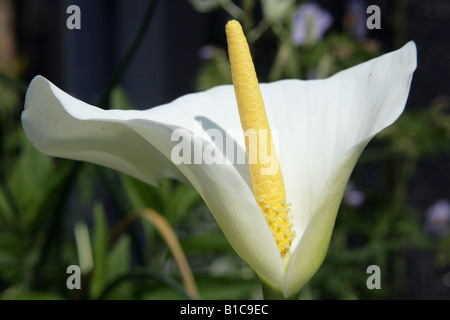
[(322, 125)]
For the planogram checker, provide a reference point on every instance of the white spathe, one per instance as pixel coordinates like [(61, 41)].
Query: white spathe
[(323, 126)]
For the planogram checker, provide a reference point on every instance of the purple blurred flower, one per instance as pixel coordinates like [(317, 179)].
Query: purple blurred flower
[(355, 18), (437, 221), (352, 196), (206, 52), (310, 24)]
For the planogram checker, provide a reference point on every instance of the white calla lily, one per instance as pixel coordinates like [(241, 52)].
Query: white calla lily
[(323, 126)]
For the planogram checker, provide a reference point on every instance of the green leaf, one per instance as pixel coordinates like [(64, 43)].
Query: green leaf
[(100, 247), (119, 99), (142, 195), (143, 275), (13, 82), (178, 200), (224, 288), (6, 212), (206, 242), (277, 10), (118, 264)]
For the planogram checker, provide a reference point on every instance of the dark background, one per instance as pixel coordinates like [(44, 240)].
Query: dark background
[(79, 61)]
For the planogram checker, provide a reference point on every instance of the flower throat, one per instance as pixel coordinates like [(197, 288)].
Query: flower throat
[(268, 186)]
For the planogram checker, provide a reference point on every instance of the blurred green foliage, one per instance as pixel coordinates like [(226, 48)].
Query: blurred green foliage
[(55, 213)]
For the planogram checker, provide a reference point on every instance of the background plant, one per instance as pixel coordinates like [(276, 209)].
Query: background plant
[(55, 213)]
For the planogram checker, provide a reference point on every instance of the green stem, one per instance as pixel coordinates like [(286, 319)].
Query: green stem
[(130, 53), (247, 16), (232, 9), (270, 293), (281, 60), (257, 31), (403, 183)]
